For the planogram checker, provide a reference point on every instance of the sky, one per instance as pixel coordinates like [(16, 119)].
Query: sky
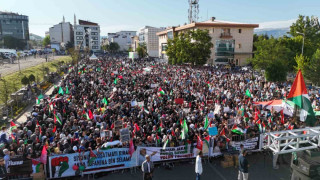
[(116, 15)]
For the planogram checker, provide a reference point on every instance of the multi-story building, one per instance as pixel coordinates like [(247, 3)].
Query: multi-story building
[(123, 38), (61, 33), (148, 35), (15, 25), (232, 42), (87, 34), (134, 43)]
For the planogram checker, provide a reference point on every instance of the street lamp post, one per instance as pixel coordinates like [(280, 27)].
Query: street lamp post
[(302, 41)]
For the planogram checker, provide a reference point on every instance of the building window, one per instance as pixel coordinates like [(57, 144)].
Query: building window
[(79, 33), (94, 33), (95, 38), (239, 46), (240, 30), (79, 37), (170, 35)]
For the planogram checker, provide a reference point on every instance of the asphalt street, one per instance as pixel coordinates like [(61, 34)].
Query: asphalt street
[(260, 169)]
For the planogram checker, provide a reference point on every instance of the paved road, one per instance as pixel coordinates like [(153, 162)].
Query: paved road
[(260, 169), (29, 62)]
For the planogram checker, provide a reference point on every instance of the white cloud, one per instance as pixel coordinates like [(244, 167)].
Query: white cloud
[(276, 24)]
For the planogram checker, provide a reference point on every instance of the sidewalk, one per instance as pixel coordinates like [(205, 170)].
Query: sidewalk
[(23, 117), (29, 62)]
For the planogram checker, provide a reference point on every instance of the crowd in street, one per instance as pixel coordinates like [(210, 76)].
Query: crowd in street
[(153, 100)]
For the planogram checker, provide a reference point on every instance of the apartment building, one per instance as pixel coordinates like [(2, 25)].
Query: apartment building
[(61, 33), (232, 42), (148, 35), (14, 25), (87, 34), (123, 38)]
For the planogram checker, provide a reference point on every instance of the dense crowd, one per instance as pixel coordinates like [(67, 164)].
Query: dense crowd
[(99, 97)]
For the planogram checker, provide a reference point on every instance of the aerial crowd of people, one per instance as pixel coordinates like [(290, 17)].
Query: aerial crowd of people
[(153, 100)]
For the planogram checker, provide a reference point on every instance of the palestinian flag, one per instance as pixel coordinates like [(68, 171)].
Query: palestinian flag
[(37, 100), (282, 116), (158, 139), (248, 93), (207, 140), (237, 130), (92, 158), (56, 118), (184, 130), (12, 126), (54, 129), (165, 144), (13, 138), (40, 96), (199, 143), (161, 91), (115, 81), (60, 91), (206, 123), (299, 96), (90, 114), (222, 132)]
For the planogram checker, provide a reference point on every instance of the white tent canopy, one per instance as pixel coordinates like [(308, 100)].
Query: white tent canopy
[(93, 57)]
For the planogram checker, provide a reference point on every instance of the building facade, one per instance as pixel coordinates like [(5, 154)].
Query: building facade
[(61, 33), (87, 34), (148, 35), (232, 42), (123, 38), (14, 25)]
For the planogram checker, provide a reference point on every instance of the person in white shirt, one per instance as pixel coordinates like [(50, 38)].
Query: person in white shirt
[(147, 168), (198, 165)]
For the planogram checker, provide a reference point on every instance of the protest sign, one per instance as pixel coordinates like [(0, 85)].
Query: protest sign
[(19, 165), (211, 115), (107, 160), (249, 144), (213, 131), (134, 103), (179, 101), (124, 135)]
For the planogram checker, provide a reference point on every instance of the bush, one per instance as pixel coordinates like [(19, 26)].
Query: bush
[(25, 80), (32, 78)]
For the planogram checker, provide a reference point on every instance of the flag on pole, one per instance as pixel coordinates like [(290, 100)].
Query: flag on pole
[(161, 91), (199, 143), (12, 126), (104, 101), (131, 148), (37, 100), (299, 96), (184, 130), (67, 90), (248, 93), (90, 114), (165, 144), (207, 140), (60, 91), (282, 116), (44, 154), (13, 138), (56, 118), (206, 122), (237, 130)]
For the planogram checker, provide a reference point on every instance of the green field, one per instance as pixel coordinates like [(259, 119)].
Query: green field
[(14, 79)]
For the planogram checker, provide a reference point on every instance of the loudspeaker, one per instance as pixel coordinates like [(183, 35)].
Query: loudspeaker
[(309, 166)]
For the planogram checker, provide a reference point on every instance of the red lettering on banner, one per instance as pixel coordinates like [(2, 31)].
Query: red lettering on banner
[(166, 157), (58, 160)]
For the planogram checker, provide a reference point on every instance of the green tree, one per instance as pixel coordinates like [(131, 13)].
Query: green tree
[(142, 50), (31, 78), (46, 41), (13, 43), (69, 45), (105, 47), (312, 69), (271, 56), (307, 25), (4, 91), (114, 47), (190, 47), (130, 49), (25, 80)]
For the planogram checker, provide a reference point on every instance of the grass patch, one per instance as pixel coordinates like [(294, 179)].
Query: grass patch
[(14, 79)]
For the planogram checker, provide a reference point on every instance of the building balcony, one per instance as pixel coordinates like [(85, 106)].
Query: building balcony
[(226, 35)]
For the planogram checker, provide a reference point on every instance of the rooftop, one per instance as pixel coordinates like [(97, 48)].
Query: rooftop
[(82, 22), (211, 23)]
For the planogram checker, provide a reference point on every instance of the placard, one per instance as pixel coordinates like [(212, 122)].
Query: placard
[(124, 135), (213, 131), (117, 125)]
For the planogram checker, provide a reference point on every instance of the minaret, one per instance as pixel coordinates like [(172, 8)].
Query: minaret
[(63, 20), (75, 20)]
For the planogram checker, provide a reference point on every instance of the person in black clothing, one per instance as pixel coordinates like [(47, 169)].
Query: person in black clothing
[(243, 166), (3, 170)]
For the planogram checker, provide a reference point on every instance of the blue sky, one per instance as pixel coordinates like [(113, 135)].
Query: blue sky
[(115, 15)]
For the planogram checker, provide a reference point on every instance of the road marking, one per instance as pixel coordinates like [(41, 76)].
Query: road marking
[(216, 171)]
